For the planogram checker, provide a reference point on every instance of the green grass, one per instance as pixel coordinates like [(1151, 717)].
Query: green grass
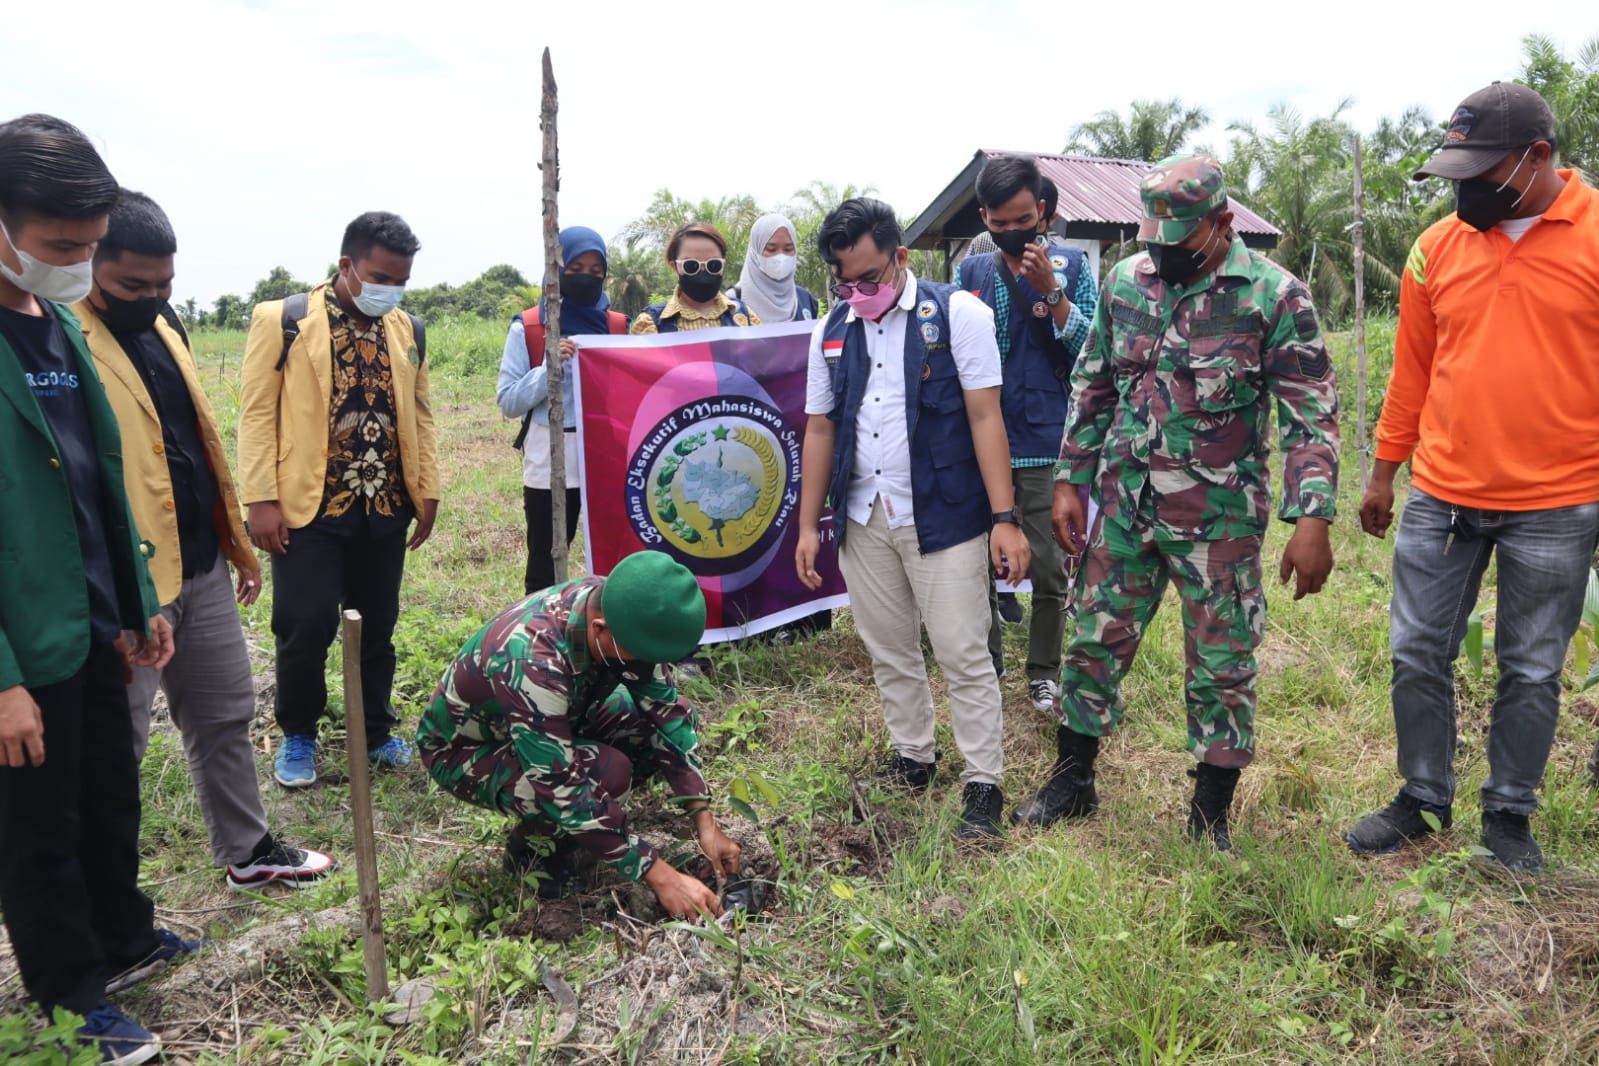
[(1108, 941)]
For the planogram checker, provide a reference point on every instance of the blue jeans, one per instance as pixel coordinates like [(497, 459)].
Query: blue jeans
[(1544, 558)]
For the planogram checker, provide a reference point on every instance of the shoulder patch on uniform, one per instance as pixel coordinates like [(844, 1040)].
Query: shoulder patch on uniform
[(1416, 264), (741, 320), (1314, 363), (1305, 324), (1058, 262), (926, 309)]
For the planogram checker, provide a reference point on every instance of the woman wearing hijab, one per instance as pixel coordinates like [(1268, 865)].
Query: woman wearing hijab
[(766, 283), (697, 252), (523, 392)]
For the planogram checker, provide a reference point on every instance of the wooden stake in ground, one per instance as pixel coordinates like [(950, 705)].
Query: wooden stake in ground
[(550, 164), (366, 855), (1360, 319)]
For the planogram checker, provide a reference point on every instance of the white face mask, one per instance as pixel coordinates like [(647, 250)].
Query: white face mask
[(376, 300), (62, 284), (777, 267)]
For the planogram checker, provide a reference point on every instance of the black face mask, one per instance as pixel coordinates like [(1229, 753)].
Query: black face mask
[(700, 287), (1175, 265), (1482, 205), (1013, 242), (130, 316), (581, 288)]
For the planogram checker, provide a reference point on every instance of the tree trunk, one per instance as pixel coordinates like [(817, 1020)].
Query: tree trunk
[(556, 371)]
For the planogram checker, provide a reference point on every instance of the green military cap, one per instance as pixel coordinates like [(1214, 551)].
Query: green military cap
[(654, 607), (1181, 190)]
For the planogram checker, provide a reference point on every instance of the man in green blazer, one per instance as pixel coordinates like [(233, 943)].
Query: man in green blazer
[(77, 609)]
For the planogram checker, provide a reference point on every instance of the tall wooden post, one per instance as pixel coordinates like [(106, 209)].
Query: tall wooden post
[(1360, 319), (366, 853), (550, 164)]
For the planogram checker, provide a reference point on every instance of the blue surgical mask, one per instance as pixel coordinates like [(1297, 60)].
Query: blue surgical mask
[(374, 300)]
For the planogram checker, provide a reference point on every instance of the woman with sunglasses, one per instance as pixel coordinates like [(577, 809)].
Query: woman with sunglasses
[(767, 283), (698, 253)]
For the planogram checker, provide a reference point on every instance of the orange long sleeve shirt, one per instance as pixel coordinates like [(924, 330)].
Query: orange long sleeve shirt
[(1494, 395)]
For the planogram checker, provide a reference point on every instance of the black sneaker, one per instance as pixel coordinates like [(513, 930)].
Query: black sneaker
[(1507, 836), (276, 861), (1401, 821), (1010, 609), (982, 805), (898, 771)]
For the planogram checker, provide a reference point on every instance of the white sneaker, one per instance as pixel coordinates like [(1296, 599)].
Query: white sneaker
[(1043, 693)]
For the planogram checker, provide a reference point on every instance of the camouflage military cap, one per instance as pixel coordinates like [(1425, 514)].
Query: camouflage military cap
[(1180, 191)]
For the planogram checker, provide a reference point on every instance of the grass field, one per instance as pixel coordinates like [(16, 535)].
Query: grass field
[(1111, 940)]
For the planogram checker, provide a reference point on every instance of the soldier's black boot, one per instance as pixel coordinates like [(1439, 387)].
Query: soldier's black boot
[(1213, 798), (1069, 792)]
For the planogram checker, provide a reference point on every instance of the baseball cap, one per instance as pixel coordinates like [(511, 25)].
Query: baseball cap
[(1485, 126), (1181, 190)]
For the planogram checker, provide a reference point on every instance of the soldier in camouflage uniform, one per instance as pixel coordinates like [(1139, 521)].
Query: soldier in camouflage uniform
[(1172, 398), (559, 704)]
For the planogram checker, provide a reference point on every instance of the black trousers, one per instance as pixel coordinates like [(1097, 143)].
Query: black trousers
[(538, 505), (329, 567), (69, 843)]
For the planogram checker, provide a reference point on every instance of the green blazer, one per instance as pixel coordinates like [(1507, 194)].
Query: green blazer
[(44, 594)]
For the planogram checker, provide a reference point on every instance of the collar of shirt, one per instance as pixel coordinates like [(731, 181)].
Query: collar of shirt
[(906, 301), (715, 311)]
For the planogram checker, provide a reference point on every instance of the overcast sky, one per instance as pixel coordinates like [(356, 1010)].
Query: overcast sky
[(263, 126)]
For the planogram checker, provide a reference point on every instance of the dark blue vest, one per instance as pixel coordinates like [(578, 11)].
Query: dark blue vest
[(669, 325), (946, 484), (1033, 396)]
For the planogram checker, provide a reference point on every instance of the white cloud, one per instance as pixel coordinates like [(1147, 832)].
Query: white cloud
[(263, 127)]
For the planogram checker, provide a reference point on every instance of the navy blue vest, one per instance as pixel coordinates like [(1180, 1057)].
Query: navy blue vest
[(1033, 397), (669, 325), (946, 484)]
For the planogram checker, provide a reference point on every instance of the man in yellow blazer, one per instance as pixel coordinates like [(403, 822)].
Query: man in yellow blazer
[(337, 457), (183, 503)]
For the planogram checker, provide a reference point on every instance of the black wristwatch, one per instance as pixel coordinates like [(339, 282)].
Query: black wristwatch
[(1054, 297), (1001, 517)]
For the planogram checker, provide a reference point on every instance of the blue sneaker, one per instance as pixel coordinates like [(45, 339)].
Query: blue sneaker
[(295, 764), (122, 1042), (393, 754), (170, 946)]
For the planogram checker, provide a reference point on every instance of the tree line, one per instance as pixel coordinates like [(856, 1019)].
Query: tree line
[(1295, 170)]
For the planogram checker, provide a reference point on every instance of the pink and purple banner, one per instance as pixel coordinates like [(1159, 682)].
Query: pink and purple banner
[(690, 445)]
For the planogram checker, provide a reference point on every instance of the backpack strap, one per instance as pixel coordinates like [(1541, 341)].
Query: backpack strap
[(616, 322), (533, 336), (419, 334), (294, 309)]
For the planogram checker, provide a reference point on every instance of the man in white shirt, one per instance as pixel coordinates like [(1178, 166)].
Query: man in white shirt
[(906, 438)]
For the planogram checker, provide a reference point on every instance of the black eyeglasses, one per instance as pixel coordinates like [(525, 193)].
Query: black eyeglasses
[(845, 289), (690, 267)]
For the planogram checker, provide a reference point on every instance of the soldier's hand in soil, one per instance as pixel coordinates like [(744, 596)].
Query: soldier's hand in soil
[(1067, 517), (1007, 546), (810, 542), (267, 528), (721, 849), (681, 896), (21, 729), (1308, 557)]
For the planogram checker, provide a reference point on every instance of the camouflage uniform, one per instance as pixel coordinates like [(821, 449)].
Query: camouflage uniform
[(1170, 424), (518, 721)]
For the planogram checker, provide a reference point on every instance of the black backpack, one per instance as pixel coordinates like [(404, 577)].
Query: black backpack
[(297, 306)]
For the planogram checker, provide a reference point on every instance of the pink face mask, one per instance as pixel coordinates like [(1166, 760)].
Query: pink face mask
[(876, 305)]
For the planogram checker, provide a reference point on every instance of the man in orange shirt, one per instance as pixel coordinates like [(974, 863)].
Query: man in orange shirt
[(1494, 399)]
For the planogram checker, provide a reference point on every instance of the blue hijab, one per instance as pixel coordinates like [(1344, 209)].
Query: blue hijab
[(576, 317)]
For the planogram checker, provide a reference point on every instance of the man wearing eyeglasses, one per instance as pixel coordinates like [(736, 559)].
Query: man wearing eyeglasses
[(906, 438), (1193, 345)]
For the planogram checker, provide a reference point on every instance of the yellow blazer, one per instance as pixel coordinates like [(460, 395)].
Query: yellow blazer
[(146, 476), (283, 414)]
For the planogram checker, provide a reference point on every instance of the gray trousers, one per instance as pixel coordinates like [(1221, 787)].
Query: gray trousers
[(1046, 629), (1440, 555), (211, 697)]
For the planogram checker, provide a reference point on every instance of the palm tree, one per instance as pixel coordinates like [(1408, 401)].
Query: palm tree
[(1152, 130), (807, 209), (635, 275), (1572, 91), (733, 215)]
